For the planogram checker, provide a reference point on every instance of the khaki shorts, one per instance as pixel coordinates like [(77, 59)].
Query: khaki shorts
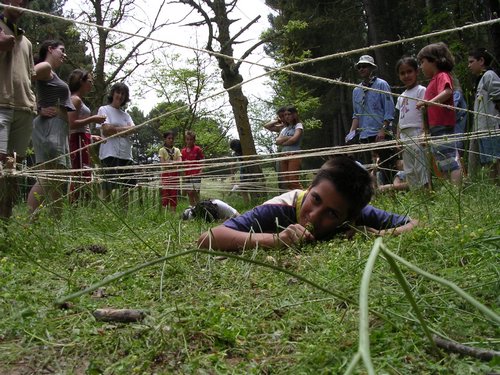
[(15, 131)]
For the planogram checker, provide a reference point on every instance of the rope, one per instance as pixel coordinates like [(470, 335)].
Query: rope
[(270, 70)]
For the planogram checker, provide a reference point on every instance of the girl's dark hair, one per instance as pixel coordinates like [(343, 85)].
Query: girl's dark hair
[(351, 181), (235, 145), (438, 53), (168, 134), (407, 60), (206, 210), (119, 87), (44, 49), (75, 79), (482, 53), (281, 110)]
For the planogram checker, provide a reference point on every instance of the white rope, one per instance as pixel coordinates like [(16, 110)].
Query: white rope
[(315, 153)]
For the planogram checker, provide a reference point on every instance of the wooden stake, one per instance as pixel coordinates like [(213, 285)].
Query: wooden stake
[(119, 315)]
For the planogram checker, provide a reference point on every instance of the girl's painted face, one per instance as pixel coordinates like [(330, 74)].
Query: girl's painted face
[(408, 75), (428, 68), (476, 66), (189, 141), (169, 141), (324, 209)]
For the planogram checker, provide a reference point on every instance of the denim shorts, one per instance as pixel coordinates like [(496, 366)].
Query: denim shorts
[(489, 149), (15, 131), (445, 154)]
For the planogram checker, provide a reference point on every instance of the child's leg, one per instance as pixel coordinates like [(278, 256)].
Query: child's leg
[(293, 178), (164, 190), (445, 155), (283, 175)]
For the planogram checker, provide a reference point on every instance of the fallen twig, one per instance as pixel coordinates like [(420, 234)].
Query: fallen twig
[(455, 347)]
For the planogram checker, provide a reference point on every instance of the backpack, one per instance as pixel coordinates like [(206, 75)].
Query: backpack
[(206, 210)]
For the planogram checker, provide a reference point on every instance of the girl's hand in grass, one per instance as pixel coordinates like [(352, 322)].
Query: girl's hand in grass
[(295, 234)]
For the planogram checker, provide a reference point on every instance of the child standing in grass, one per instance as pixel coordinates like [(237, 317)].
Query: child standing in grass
[(169, 180), (437, 63), (487, 101), (192, 154), (410, 125)]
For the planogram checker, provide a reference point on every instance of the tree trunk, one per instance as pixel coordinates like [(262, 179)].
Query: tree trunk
[(382, 27), (231, 77), (495, 28)]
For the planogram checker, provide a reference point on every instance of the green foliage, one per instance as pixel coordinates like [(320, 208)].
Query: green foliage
[(39, 29), (181, 83), (310, 29), (230, 316)]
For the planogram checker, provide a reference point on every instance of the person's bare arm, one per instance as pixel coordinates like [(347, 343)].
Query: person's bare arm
[(282, 139), (354, 124), (109, 129), (228, 239), (43, 71), (293, 139), (440, 98), (396, 231), (274, 125), (75, 122)]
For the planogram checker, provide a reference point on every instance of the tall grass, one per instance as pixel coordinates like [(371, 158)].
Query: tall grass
[(211, 315)]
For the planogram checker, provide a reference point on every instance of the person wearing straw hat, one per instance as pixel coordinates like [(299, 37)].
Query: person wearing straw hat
[(17, 100), (373, 111)]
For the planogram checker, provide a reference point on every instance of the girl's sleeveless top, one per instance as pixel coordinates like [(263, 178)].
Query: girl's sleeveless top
[(84, 112)]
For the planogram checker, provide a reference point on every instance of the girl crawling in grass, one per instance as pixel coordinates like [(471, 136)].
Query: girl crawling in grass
[(336, 202)]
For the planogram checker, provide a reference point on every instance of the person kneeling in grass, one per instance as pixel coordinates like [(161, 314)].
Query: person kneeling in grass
[(336, 202)]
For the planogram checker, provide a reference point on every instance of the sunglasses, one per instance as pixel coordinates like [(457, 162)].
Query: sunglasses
[(363, 66)]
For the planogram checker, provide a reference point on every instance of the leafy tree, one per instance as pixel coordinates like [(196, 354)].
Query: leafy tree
[(41, 28), (182, 82), (116, 56), (303, 30), (216, 18), (146, 140)]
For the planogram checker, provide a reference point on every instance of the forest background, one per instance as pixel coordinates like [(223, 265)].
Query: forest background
[(299, 31)]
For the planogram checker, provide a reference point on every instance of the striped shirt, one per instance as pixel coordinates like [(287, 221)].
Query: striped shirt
[(54, 93)]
